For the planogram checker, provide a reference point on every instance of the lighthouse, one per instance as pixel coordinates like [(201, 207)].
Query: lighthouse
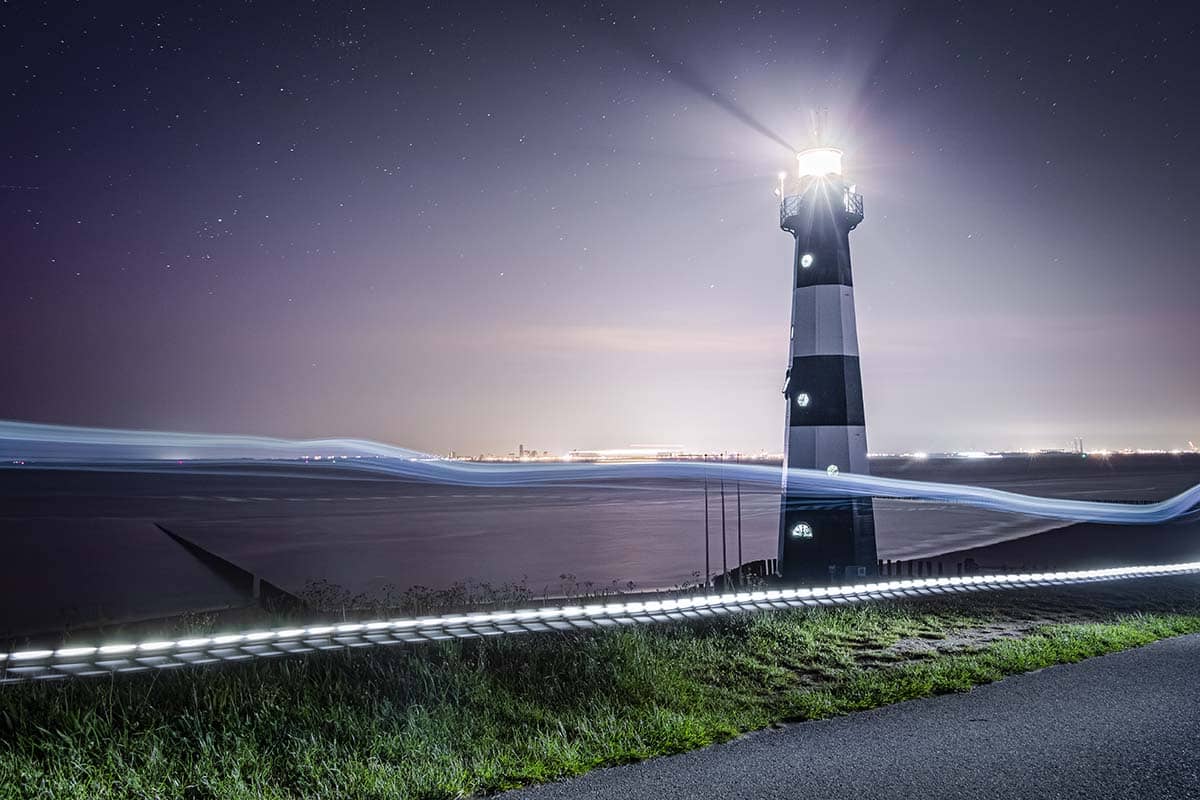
[(825, 425)]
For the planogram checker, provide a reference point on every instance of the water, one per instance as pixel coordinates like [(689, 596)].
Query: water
[(82, 546)]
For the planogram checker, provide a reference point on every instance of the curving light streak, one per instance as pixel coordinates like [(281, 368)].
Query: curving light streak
[(103, 449), (804, 483), (126, 657), (20, 440)]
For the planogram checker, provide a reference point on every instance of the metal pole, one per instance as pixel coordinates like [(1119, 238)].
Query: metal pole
[(707, 568), (724, 549), (741, 578)]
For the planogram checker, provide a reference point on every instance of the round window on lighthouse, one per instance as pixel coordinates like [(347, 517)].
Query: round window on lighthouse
[(802, 530), (803, 399), (806, 260)]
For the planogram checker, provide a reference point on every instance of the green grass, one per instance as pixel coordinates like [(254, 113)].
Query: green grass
[(460, 718)]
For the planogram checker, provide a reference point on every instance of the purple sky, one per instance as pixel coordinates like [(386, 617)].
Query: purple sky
[(533, 222)]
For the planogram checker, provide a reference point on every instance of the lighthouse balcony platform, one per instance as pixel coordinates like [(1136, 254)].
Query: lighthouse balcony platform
[(792, 209)]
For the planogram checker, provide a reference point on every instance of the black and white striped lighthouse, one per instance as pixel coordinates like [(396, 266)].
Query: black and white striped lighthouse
[(822, 539)]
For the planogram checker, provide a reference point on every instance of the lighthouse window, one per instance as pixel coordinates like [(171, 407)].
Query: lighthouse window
[(803, 399), (806, 260), (802, 530)]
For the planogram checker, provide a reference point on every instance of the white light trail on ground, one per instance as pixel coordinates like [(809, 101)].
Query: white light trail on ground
[(157, 654)]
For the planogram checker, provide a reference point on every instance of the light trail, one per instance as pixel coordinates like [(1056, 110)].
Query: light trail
[(104, 449), (127, 657), (57, 447)]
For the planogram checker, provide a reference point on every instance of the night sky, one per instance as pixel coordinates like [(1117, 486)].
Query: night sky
[(468, 226)]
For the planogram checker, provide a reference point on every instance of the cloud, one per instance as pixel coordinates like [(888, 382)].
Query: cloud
[(761, 341)]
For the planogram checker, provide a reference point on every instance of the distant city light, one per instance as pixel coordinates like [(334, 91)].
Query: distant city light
[(806, 260), (819, 161), (803, 400), (802, 530)]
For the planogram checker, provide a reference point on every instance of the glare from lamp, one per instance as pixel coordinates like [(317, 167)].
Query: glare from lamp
[(819, 161)]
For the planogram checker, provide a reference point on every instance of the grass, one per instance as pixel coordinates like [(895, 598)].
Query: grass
[(461, 718)]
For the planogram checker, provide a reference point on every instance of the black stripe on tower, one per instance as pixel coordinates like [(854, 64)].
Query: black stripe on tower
[(820, 538), (825, 390), (823, 260)]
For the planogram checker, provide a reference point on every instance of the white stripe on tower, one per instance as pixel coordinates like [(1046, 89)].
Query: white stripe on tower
[(822, 446), (823, 321)]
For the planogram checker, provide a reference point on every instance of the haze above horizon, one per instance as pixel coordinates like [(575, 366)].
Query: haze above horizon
[(461, 228)]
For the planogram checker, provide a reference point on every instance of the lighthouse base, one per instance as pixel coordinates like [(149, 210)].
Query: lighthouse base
[(823, 540)]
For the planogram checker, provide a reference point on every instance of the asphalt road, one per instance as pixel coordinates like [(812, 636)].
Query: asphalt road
[(1121, 726)]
